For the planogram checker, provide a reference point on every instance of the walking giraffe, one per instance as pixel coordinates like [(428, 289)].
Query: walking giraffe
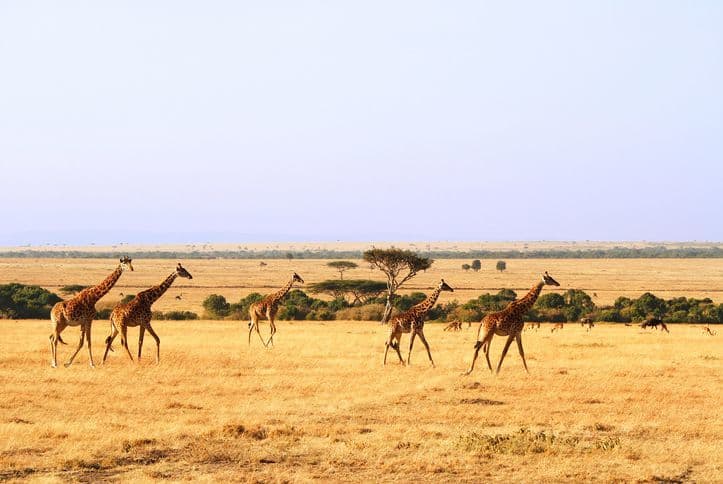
[(80, 311), (412, 321), (268, 307), (508, 322), (137, 312)]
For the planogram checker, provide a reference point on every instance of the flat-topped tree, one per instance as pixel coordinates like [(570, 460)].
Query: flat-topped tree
[(341, 266), (399, 266)]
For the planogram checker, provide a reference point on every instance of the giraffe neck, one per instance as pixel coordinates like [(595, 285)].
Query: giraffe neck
[(424, 306), (97, 292), (275, 297), (153, 294), (526, 302)]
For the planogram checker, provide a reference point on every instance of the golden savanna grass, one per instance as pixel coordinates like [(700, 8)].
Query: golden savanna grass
[(617, 403)]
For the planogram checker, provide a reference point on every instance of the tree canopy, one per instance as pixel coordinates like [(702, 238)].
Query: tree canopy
[(399, 266), (341, 266), (358, 290)]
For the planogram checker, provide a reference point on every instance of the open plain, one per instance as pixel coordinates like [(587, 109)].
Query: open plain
[(615, 403)]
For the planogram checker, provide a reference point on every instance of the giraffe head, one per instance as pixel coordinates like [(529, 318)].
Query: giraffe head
[(125, 263), (181, 272), (443, 286), (297, 278), (549, 280)]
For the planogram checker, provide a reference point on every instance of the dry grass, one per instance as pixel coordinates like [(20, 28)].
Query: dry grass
[(615, 404), (234, 279)]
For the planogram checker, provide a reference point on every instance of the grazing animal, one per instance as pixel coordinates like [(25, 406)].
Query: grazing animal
[(179, 297), (628, 324), (137, 312), (453, 326), (654, 323), (80, 311), (267, 308), (587, 322), (412, 321), (533, 325), (708, 331), (557, 326), (508, 322)]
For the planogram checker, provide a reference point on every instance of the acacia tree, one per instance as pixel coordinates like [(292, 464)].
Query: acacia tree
[(501, 265), (399, 266), (476, 265), (341, 266)]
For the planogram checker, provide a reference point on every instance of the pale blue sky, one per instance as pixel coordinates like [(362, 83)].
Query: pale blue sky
[(247, 121)]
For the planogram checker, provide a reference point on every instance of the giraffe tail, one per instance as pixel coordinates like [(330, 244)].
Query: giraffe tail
[(108, 339)]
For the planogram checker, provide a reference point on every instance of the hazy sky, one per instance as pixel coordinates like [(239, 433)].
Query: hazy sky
[(155, 121)]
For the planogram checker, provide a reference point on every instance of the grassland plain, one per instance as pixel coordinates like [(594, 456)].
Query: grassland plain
[(607, 279), (617, 403)]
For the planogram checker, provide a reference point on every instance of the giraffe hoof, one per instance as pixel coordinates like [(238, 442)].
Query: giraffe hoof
[(53, 365), (92, 365), (67, 364)]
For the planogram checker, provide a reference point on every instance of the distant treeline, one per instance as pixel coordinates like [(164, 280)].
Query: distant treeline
[(550, 307), (657, 252), (20, 301)]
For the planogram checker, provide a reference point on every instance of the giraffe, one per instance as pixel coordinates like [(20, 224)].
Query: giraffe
[(268, 307), (80, 311), (137, 312), (412, 321), (508, 322)]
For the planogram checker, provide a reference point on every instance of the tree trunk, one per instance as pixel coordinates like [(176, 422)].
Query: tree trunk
[(388, 308)]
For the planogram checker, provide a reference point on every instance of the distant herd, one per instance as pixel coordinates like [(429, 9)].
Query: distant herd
[(80, 311)]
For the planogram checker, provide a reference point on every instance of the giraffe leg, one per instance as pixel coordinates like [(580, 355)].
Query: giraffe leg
[(504, 351), (426, 345), (487, 352), (141, 333), (80, 345), (396, 347), (522, 352), (411, 343), (90, 348), (109, 340), (158, 342), (124, 340), (273, 331), (486, 338), (54, 339)]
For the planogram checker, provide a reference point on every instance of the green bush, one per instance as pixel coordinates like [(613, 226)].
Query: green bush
[(180, 315), (550, 300), (26, 302), (72, 288), (103, 313), (368, 312), (216, 306)]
